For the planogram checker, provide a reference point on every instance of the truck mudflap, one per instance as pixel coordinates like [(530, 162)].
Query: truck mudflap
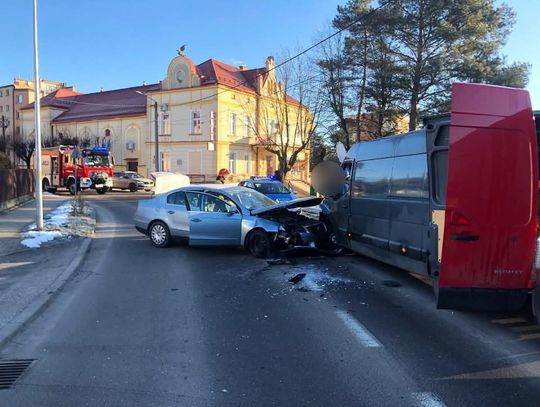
[(490, 219)]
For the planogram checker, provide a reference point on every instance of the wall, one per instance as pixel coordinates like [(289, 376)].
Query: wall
[(16, 186)]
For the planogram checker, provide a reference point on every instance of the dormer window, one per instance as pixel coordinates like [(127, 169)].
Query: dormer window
[(180, 76)]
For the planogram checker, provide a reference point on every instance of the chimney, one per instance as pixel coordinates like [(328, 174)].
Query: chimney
[(270, 63), (144, 83), (242, 67)]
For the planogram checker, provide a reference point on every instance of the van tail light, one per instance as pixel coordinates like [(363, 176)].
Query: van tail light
[(458, 219), (537, 257)]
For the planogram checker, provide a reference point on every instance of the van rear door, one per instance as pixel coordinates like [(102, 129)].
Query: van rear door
[(490, 214)]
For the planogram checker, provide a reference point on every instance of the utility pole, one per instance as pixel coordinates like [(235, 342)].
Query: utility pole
[(4, 123), (156, 129), (158, 158), (37, 128)]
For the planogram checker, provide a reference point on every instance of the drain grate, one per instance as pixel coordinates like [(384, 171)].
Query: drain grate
[(11, 370)]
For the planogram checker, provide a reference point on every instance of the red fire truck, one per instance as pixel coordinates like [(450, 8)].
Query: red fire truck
[(68, 167)]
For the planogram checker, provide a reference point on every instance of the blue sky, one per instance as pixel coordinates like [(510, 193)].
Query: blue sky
[(120, 43)]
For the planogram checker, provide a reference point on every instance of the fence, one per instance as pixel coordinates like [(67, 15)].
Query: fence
[(16, 186)]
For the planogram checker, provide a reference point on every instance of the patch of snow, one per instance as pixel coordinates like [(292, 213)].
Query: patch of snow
[(58, 223), (36, 238)]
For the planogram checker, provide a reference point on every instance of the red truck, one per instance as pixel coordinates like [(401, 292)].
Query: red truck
[(68, 167)]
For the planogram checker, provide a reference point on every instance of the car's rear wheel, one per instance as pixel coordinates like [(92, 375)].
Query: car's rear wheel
[(159, 234), (72, 186), (133, 187), (45, 185), (260, 244)]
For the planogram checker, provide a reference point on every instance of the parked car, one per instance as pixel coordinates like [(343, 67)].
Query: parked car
[(132, 181), (225, 215), (270, 187)]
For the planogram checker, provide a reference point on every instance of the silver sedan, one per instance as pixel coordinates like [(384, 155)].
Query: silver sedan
[(222, 215)]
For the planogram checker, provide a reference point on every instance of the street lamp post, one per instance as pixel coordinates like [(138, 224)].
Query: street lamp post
[(4, 123), (37, 128), (156, 129)]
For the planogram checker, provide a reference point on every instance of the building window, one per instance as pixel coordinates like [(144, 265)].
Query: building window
[(18, 131), (1, 94), (1, 108), (18, 115), (164, 124), (7, 108), (232, 124), (196, 122), (19, 99), (232, 162), (212, 125), (7, 92), (247, 126), (107, 139)]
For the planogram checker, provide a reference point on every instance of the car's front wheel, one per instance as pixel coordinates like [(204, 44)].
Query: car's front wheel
[(133, 187), (260, 244), (159, 234)]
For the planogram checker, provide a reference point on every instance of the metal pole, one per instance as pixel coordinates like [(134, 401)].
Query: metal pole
[(158, 158), (4, 134), (37, 128)]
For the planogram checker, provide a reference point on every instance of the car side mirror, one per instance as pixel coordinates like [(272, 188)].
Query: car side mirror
[(233, 212)]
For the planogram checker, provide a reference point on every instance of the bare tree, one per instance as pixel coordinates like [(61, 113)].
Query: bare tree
[(24, 149), (287, 111)]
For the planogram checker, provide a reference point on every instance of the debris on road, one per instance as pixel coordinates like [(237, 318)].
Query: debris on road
[(297, 278), (391, 283), (278, 261)]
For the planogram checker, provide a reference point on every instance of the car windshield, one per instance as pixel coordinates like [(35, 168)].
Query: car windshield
[(271, 188), (95, 160), (251, 199)]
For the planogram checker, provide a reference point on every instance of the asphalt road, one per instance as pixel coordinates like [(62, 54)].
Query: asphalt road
[(140, 326)]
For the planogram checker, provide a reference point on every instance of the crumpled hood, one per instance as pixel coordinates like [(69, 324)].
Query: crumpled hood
[(295, 203)]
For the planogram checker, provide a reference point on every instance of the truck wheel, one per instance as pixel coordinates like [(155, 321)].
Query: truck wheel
[(159, 234), (260, 244), (133, 187), (45, 185), (71, 186), (102, 191), (536, 303)]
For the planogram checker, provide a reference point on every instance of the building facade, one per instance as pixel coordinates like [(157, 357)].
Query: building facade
[(209, 118), (16, 95)]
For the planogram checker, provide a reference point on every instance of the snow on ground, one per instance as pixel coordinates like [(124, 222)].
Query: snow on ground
[(35, 238), (58, 223)]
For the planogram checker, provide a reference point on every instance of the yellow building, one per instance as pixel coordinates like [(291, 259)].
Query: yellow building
[(211, 116)]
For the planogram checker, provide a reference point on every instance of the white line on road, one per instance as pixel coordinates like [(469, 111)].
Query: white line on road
[(365, 337), (426, 399)]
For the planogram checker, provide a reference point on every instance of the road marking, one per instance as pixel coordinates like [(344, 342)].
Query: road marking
[(527, 328), (506, 321), (424, 279), (427, 399), (529, 337), (365, 337)]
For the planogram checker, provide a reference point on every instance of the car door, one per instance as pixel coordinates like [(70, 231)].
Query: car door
[(212, 221), (176, 214)]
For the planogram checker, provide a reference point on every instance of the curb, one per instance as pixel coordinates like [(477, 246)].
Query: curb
[(44, 298)]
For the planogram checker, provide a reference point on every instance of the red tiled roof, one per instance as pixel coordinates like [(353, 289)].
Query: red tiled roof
[(112, 103), (213, 71), (58, 98)]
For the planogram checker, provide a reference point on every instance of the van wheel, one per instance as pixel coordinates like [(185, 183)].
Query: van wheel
[(260, 244), (159, 234), (45, 185), (133, 187)]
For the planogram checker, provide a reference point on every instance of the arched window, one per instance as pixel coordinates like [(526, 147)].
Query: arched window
[(107, 139)]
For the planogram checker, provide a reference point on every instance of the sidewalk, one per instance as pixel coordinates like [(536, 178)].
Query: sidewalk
[(14, 221), (29, 278)]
